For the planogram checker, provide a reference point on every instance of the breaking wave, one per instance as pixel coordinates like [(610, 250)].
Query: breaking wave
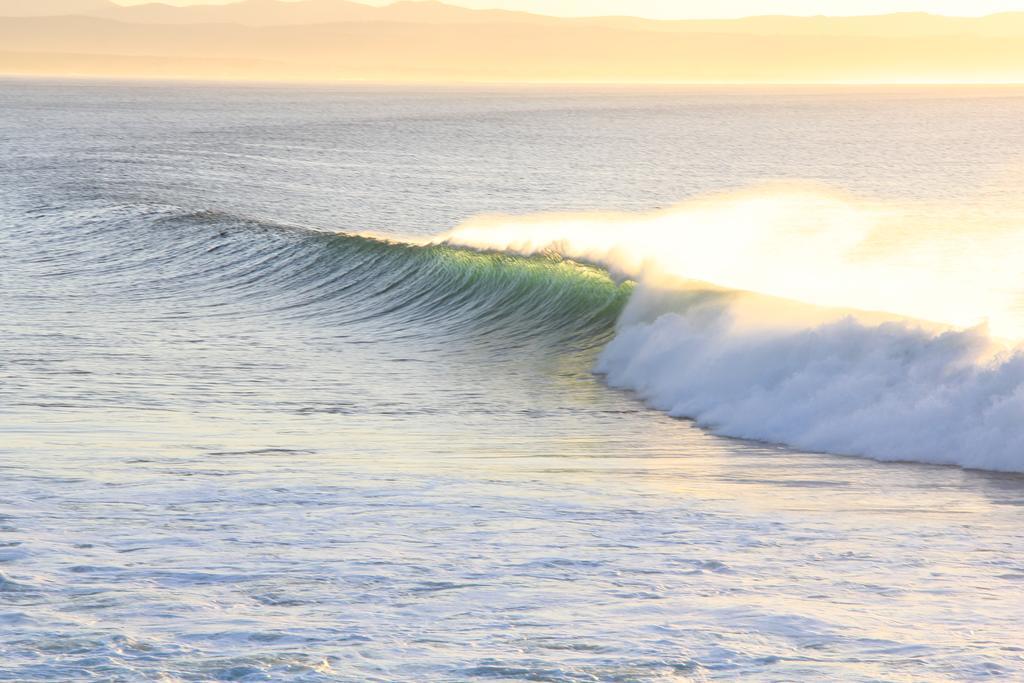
[(744, 362)]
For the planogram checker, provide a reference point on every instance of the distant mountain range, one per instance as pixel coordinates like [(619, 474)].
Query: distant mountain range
[(262, 12), (427, 40)]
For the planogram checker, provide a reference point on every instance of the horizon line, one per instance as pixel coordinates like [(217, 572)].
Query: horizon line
[(513, 84)]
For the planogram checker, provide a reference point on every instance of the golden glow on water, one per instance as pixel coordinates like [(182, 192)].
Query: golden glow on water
[(801, 243)]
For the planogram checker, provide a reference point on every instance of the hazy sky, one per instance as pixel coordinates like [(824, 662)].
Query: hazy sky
[(681, 9)]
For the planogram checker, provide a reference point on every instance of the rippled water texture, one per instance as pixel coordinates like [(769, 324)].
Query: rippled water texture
[(234, 448)]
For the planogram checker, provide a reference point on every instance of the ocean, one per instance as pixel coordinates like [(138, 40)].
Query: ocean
[(362, 383)]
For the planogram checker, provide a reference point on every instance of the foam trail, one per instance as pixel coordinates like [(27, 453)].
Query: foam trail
[(777, 349)]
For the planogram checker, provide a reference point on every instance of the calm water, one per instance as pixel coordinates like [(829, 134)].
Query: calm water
[(236, 449)]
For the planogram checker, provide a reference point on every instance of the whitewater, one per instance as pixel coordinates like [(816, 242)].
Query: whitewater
[(378, 384)]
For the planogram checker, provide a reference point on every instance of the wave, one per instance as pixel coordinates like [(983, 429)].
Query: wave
[(740, 363)]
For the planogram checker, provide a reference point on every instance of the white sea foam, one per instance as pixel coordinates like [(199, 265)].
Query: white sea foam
[(888, 390)]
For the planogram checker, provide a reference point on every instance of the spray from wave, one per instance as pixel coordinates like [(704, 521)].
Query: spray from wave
[(797, 316)]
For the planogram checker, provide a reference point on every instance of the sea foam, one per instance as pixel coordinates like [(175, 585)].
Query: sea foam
[(889, 390)]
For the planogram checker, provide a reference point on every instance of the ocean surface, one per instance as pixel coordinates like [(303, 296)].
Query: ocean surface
[(276, 403)]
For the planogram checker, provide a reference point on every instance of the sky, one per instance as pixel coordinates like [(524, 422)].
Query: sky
[(693, 9)]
